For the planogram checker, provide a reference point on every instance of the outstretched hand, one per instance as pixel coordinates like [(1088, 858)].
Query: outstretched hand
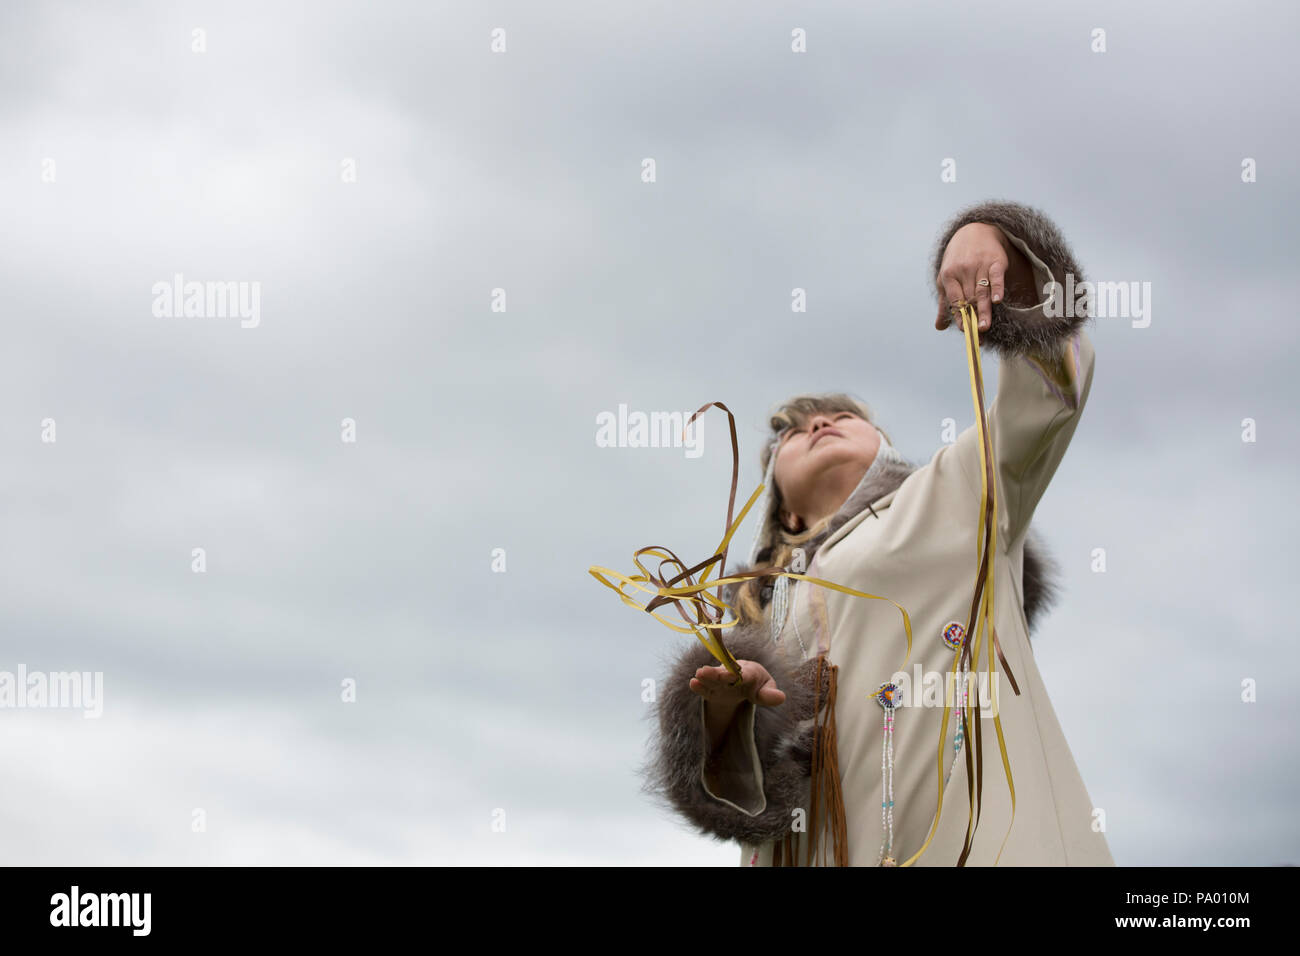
[(718, 685)]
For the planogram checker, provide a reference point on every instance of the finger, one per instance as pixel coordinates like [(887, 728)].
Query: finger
[(969, 286), (720, 677), (982, 304), (969, 289), (708, 687), (997, 273), (942, 321), (771, 696), (952, 288), (707, 691)]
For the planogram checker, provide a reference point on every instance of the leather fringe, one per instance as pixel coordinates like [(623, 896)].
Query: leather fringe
[(784, 852), (826, 775)]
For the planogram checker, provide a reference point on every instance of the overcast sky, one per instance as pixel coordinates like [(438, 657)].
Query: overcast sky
[(128, 157)]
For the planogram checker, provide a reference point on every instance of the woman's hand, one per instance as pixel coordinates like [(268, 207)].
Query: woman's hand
[(715, 684), (978, 266), (723, 696)]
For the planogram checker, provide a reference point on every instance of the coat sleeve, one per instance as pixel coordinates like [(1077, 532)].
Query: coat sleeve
[(1046, 369), (760, 771)]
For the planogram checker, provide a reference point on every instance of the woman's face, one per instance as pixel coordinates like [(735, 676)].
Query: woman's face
[(819, 465)]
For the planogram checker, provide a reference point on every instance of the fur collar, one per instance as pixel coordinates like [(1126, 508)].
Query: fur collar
[(1041, 575)]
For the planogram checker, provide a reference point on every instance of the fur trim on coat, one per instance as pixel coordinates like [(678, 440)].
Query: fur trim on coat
[(782, 737)]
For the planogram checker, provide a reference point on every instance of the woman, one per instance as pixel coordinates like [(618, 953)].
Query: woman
[(739, 761)]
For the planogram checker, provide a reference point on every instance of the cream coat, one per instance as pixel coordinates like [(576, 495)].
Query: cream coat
[(917, 546)]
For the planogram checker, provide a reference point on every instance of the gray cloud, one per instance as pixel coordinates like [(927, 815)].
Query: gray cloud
[(476, 428)]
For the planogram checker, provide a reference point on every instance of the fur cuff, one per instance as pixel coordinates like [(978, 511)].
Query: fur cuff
[(1023, 327), (782, 741)]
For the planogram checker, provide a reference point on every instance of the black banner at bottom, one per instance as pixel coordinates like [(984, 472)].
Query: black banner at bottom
[(97, 905)]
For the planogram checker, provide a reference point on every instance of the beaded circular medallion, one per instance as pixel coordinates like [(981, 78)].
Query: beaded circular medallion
[(887, 695)]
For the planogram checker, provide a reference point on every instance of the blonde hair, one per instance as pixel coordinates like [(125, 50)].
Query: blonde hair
[(780, 544)]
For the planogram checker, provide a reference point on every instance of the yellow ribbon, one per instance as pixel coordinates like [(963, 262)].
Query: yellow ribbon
[(981, 620), (682, 591), (709, 609)]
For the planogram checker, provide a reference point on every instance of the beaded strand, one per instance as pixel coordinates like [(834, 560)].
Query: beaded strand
[(954, 635), (887, 697)]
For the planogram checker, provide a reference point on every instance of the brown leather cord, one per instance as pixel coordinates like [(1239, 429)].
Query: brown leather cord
[(705, 614), (826, 775), (975, 787), (785, 851), (975, 782), (997, 646)]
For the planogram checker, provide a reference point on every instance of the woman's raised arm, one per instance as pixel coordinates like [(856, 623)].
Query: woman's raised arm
[(1047, 358)]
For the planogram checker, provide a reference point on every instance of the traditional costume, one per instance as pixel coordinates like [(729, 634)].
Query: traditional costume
[(845, 771)]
